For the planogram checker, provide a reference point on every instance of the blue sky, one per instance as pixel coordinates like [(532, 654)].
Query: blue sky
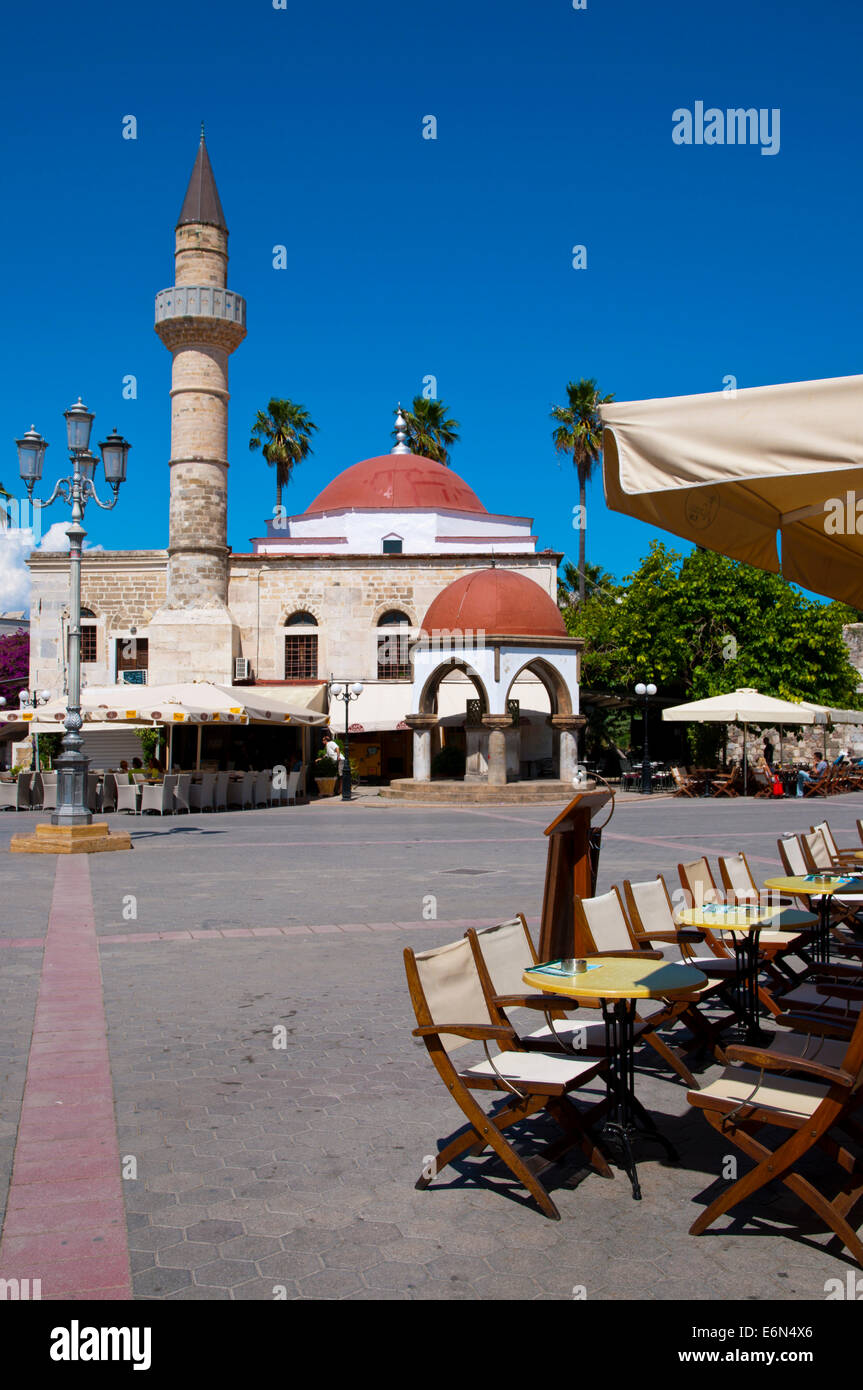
[(409, 257)]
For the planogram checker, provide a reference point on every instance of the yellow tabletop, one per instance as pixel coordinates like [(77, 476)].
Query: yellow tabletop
[(621, 977), (746, 918), (798, 884)]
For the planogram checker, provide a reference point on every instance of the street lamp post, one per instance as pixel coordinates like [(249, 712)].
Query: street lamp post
[(646, 776), (33, 698), (76, 490), (347, 693)]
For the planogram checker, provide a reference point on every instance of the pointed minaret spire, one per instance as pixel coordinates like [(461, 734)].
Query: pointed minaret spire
[(401, 445), (201, 204)]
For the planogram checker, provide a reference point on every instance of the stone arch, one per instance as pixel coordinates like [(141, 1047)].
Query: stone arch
[(395, 604), (436, 677), (555, 686), (300, 605)]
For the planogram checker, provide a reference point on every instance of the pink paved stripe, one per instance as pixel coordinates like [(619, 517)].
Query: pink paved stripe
[(65, 1218)]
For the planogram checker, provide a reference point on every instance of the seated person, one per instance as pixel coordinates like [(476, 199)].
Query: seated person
[(803, 776)]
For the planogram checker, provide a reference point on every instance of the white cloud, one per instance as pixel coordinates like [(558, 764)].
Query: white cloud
[(15, 545)]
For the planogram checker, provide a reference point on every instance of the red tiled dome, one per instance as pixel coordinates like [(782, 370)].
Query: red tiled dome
[(497, 602), (397, 482)]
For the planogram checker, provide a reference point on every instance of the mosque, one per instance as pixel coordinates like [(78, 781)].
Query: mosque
[(396, 576)]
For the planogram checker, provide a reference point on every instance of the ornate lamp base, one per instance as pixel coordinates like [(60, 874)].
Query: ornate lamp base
[(71, 839)]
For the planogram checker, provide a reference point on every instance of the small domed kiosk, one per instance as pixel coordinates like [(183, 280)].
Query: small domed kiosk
[(494, 625)]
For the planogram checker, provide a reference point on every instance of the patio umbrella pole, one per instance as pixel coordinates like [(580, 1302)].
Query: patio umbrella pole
[(198, 750), (170, 748), (745, 764)]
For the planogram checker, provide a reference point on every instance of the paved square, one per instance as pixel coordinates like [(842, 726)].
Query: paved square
[(257, 1171)]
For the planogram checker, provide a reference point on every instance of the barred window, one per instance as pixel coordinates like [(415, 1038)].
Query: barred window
[(301, 648), (393, 647), (88, 635)]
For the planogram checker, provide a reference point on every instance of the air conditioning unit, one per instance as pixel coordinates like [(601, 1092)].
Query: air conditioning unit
[(242, 668)]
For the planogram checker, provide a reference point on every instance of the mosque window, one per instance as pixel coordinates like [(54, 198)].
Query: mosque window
[(393, 649), (393, 545), (88, 635), (301, 648)]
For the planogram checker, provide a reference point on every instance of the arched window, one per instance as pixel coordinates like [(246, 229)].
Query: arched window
[(88, 635), (393, 654), (301, 647)]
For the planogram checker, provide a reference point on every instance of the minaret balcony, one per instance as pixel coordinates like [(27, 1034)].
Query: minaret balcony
[(192, 313)]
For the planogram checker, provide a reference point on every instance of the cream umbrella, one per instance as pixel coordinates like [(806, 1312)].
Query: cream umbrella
[(745, 706), (734, 470)]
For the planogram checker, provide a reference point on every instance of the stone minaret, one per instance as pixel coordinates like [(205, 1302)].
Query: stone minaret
[(201, 322)]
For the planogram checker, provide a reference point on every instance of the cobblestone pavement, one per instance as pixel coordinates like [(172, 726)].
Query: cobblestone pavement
[(264, 1172)]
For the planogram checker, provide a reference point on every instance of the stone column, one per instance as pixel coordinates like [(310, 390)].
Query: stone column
[(568, 726), (422, 725), (497, 724), (476, 760)]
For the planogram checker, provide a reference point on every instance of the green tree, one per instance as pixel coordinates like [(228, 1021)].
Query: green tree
[(578, 432), (283, 433), (429, 433), (704, 625)]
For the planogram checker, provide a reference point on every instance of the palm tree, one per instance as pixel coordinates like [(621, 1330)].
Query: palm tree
[(429, 433), (579, 433), (285, 430)]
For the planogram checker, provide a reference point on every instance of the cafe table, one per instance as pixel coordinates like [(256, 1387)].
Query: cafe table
[(821, 887), (744, 922), (618, 982)]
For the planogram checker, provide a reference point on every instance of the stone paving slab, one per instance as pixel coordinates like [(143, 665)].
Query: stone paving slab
[(264, 1172)]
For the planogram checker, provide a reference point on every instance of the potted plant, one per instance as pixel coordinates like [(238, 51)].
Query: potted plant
[(326, 772)]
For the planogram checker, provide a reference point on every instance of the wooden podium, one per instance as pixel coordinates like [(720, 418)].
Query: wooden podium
[(573, 860)]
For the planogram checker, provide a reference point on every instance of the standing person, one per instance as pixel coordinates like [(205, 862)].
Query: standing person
[(334, 751), (768, 752)]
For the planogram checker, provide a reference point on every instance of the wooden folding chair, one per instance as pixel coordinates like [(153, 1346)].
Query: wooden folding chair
[(727, 786), (846, 858), (821, 785), (684, 785), (450, 1011), (739, 884), (651, 916), (806, 1096), (699, 885), (502, 954)]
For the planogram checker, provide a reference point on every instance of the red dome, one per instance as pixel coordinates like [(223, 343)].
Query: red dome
[(498, 602), (397, 482)]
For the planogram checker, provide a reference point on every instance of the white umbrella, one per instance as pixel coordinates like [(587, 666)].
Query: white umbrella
[(745, 706)]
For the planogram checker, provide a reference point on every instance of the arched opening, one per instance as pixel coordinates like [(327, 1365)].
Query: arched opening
[(551, 679), (301, 647), (428, 698)]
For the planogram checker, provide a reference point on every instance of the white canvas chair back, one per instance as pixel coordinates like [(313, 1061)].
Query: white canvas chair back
[(738, 876), (127, 795), (697, 880), (452, 988), (830, 842), (507, 954), (607, 923), (817, 846), (293, 783), (651, 900), (792, 856), (109, 792), (25, 781), (263, 790)]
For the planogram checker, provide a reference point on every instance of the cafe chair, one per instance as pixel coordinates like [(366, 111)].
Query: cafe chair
[(127, 794), (684, 785), (292, 789), (700, 888), (263, 790), (220, 792), (650, 914), (847, 858), (816, 1102), (776, 946), (503, 953), (159, 796), (820, 786), (202, 794), (727, 785), (241, 790), (109, 792), (15, 796), (181, 792), (451, 1011)]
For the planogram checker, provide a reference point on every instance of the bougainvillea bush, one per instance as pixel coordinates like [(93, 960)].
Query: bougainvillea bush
[(14, 665)]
